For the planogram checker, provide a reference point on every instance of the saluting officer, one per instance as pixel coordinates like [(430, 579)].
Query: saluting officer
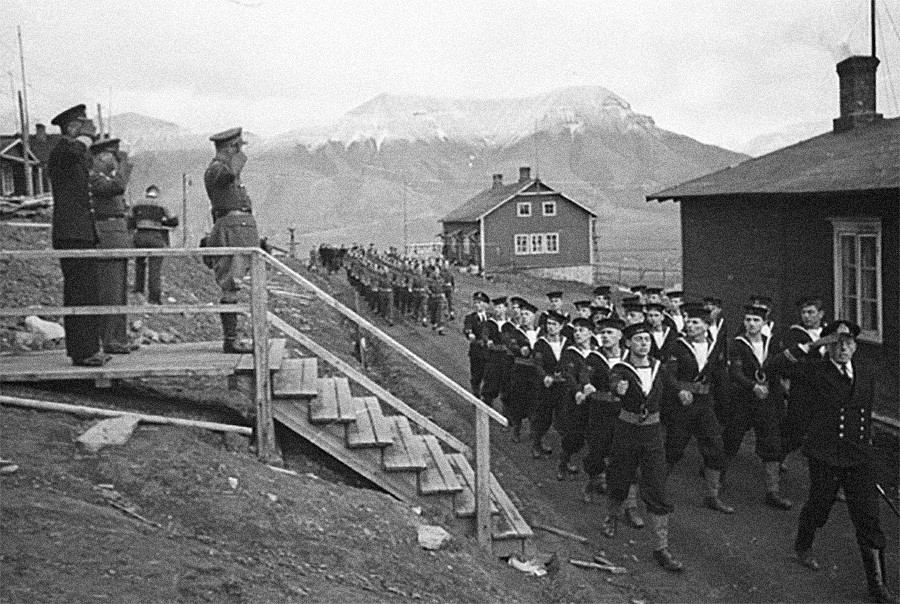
[(109, 178), (839, 447), (234, 226), (151, 222), (69, 166)]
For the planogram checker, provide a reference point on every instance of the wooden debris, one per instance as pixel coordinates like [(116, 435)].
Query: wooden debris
[(560, 532), (616, 570)]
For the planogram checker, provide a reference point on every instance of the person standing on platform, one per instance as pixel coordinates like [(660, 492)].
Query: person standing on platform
[(74, 228), (644, 386), (108, 180), (839, 448), (234, 226), (151, 222)]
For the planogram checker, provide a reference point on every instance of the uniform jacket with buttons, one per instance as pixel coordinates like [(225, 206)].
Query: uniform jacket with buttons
[(840, 416), (69, 167), (472, 324), (224, 188), (662, 392)]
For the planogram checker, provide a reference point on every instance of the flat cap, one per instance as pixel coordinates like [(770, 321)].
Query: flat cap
[(654, 290), (655, 306), (610, 323), (756, 310), (480, 296), (632, 330), (105, 144), (500, 300), (601, 290), (78, 111), (601, 312), (556, 317), (152, 192), (712, 300), (761, 300), (582, 303), (516, 301), (227, 135), (633, 305), (638, 288), (582, 322), (811, 300), (554, 294), (526, 305), (675, 293), (843, 327), (696, 310)]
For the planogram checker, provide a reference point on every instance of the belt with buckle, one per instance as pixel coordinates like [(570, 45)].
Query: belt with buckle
[(639, 419), (241, 212), (694, 387)]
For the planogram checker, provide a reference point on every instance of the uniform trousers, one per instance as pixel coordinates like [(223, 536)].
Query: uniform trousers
[(112, 280), (148, 271), (547, 404), (497, 366), (601, 423), (476, 367), (795, 418), (521, 393), (80, 289), (763, 416), (233, 230), (858, 483), (697, 420), (437, 308), (571, 423), (639, 446)]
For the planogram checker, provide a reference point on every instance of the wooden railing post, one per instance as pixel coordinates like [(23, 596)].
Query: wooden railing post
[(482, 478), (265, 429)]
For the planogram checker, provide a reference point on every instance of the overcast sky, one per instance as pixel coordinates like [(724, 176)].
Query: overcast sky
[(721, 71)]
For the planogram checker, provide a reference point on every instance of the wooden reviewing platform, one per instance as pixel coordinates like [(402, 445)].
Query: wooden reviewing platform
[(153, 360)]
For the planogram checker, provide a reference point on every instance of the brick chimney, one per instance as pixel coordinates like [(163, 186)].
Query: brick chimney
[(524, 173), (40, 132), (857, 91), (498, 181)]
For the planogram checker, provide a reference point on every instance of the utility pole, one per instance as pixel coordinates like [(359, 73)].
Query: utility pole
[(405, 231), (100, 120), (292, 249), (184, 214), (26, 128), (872, 13)]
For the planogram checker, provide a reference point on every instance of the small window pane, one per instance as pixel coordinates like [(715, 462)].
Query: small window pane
[(521, 244), (552, 243), (549, 208), (849, 309), (537, 244), (867, 251), (869, 284), (869, 320), (848, 249)]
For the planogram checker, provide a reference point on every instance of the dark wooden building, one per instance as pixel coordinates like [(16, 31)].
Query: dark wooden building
[(818, 217), (13, 180), (524, 225)]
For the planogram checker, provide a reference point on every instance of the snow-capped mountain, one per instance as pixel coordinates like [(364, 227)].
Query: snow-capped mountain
[(794, 133)]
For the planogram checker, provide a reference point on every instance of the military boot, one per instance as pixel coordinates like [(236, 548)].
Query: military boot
[(661, 554), (873, 561), (712, 500), (231, 344), (773, 494)]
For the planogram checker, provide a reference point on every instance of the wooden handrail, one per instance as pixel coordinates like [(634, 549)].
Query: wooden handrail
[(142, 309), (128, 253), (367, 383), (394, 344)]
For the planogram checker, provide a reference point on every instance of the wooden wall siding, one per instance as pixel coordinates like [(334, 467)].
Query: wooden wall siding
[(571, 222)]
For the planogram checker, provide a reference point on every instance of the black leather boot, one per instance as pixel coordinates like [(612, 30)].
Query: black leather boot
[(873, 561), (230, 342)]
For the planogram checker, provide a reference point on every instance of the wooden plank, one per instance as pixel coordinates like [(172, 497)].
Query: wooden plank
[(142, 309), (361, 433), (345, 401), (363, 380), (276, 356), (465, 499), (394, 344), (323, 408), (266, 449), (509, 511), (383, 433), (129, 253), (292, 379), (482, 472), (438, 477), (403, 454)]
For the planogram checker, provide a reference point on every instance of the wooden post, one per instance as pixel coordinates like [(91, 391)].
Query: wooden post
[(265, 429), (360, 339), (482, 479)]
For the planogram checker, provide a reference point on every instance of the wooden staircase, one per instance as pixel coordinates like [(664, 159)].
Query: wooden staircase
[(388, 449)]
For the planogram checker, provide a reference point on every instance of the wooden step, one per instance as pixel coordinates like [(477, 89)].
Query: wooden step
[(439, 476), (276, 357), (296, 378), (407, 452), (464, 501), (516, 527), (346, 404), (370, 428), (323, 408)]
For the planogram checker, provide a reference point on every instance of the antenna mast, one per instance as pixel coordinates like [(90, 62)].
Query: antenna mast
[(26, 128), (537, 168), (872, 13)]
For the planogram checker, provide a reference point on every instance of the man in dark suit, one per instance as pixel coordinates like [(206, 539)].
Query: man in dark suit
[(151, 223), (473, 326), (839, 447), (74, 228)]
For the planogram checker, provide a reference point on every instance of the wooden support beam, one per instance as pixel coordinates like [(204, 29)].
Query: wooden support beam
[(145, 309), (259, 297), (482, 479), (367, 383)]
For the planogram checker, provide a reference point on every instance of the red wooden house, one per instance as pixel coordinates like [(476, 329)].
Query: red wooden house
[(522, 226)]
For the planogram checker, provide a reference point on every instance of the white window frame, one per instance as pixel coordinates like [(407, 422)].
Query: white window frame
[(536, 243), (520, 244), (858, 228), (523, 209), (551, 205), (551, 249)]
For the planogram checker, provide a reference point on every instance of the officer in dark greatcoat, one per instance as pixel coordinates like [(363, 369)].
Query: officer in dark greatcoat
[(108, 180), (151, 223), (233, 226), (69, 166), (473, 328), (839, 447)]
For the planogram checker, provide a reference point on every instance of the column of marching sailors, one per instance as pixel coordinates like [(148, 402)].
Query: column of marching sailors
[(631, 385)]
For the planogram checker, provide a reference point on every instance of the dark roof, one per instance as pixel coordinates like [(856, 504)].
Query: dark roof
[(484, 202), (492, 197), (864, 158)]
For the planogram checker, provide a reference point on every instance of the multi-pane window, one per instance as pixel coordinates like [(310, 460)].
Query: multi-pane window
[(523, 208), (857, 275), (549, 208), (536, 243)]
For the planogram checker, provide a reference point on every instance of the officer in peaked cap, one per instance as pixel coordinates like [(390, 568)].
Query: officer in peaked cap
[(69, 166), (473, 328), (151, 223), (234, 226)]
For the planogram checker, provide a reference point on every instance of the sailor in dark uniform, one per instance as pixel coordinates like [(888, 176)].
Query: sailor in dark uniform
[(644, 386), (524, 384), (839, 448), (718, 332), (602, 300), (674, 317), (634, 309), (693, 360), (556, 303), (662, 335), (583, 311), (473, 329), (552, 393), (109, 179), (498, 361), (74, 227), (151, 223), (640, 292), (755, 402), (234, 226), (573, 413)]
